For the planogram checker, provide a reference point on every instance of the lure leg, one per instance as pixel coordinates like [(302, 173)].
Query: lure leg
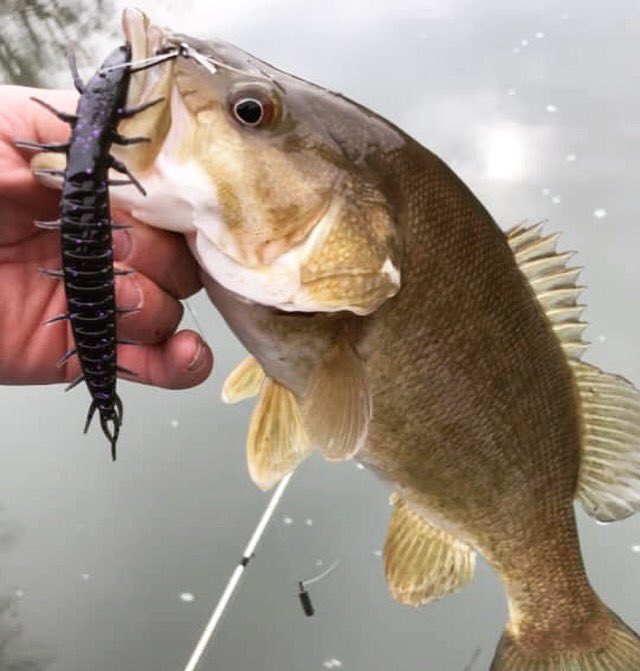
[(49, 225), (128, 112), (45, 172), (90, 414), (57, 274), (77, 81), (127, 371), (60, 147), (57, 318), (121, 167), (63, 116), (62, 360), (117, 138), (74, 384)]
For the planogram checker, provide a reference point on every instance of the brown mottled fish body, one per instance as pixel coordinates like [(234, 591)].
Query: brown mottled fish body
[(475, 412), (391, 321)]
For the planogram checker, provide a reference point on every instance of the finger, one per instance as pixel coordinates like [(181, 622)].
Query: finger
[(23, 119), (157, 313), (162, 256), (183, 361)]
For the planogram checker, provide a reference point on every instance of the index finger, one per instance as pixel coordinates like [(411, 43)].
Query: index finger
[(22, 197)]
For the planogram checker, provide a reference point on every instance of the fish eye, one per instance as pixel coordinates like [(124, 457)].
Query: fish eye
[(253, 108)]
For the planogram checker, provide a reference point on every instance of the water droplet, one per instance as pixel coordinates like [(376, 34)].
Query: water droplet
[(600, 213), (570, 157), (552, 109), (377, 553), (309, 522), (19, 593), (524, 43), (360, 467), (187, 597), (539, 35), (546, 192), (175, 423), (319, 562), (635, 548), (556, 199), (511, 92), (602, 337), (287, 520), (332, 664), (85, 576)]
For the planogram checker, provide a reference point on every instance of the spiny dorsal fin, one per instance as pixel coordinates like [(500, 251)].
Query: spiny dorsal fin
[(552, 282), (609, 483), (243, 382), (277, 441), (337, 404), (422, 563)]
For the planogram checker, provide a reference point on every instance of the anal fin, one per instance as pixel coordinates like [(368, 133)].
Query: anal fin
[(243, 382), (609, 481), (277, 441), (422, 563), (337, 404)]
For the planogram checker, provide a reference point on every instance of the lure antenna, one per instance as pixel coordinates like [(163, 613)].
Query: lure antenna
[(229, 590)]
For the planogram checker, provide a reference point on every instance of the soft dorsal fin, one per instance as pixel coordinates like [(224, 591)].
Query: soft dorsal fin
[(422, 563), (553, 283), (337, 404), (277, 441), (243, 382), (609, 483), (609, 480)]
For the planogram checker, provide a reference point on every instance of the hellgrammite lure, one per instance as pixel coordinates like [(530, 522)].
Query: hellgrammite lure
[(86, 228)]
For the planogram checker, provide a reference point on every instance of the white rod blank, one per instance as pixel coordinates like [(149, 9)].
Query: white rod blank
[(220, 608)]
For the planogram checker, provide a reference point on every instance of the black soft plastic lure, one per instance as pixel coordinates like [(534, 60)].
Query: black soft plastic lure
[(86, 230)]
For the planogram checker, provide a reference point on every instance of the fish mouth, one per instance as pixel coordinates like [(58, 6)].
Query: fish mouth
[(146, 40)]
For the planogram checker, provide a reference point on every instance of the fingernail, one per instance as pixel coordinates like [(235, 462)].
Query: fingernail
[(128, 293), (122, 245), (197, 357)]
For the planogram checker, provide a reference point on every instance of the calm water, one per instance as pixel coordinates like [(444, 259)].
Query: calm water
[(116, 567)]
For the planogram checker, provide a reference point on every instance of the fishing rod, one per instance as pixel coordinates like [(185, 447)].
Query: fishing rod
[(234, 580)]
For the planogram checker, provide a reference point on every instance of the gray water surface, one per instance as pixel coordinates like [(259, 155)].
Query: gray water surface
[(116, 567)]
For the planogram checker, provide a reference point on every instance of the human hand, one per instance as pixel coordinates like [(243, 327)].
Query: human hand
[(165, 271)]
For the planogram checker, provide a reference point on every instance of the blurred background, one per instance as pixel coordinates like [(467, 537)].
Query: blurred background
[(117, 566)]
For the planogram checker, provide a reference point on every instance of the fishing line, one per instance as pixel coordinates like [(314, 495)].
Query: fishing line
[(232, 584), (303, 594), (473, 660), (206, 61), (322, 575), (144, 63), (192, 314)]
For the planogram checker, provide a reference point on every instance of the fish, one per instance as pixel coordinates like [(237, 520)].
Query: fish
[(391, 321)]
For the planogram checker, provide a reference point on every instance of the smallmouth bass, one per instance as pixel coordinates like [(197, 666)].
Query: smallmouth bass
[(391, 321)]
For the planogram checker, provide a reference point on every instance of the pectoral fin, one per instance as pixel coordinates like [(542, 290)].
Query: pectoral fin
[(609, 482), (277, 441), (243, 382), (422, 563), (337, 404)]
